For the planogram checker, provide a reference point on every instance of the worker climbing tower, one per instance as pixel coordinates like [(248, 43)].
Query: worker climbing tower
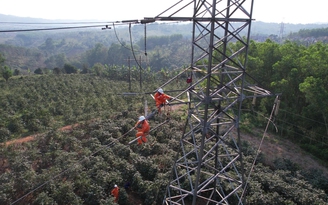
[(209, 168)]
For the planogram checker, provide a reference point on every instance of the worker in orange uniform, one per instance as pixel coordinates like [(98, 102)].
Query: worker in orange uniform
[(160, 99), (143, 128), (115, 192)]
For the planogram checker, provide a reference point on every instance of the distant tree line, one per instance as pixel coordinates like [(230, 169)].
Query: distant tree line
[(319, 32), (160, 52)]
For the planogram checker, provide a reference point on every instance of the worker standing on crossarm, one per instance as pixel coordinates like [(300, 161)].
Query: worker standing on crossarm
[(115, 192), (143, 128), (160, 99)]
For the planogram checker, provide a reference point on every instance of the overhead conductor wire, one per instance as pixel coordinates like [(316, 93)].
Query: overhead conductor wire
[(45, 29), (134, 56), (259, 148), (119, 39)]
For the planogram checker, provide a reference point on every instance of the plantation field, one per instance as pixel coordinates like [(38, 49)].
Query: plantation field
[(81, 148)]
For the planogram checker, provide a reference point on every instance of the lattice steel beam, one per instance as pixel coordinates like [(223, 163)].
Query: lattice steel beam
[(209, 168)]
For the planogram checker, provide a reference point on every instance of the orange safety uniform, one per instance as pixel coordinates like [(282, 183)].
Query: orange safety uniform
[(143, 130), (160, 99), (115, 192)]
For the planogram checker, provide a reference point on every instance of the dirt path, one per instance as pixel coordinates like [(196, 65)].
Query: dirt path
[(274, 147), (21, 140), (32, 137)]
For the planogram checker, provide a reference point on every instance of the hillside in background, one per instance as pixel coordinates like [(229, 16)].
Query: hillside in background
[(258, 27), (166, 44), (49, 49)]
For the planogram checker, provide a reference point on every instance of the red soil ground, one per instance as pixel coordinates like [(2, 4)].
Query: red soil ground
[(272, 147)]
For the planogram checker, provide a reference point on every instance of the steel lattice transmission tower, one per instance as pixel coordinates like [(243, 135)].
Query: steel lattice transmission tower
[(208, 168)]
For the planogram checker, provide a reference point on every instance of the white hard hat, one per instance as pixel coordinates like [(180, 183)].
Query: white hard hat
[(141, 118), (115, 185), (160, 90)]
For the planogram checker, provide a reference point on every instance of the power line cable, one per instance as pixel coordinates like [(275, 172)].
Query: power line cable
[(119, 39), (55, 23), (287, 122), (305, 136), (259, 148), (45, 29), (302, 117), (133, 53), (103, 24)]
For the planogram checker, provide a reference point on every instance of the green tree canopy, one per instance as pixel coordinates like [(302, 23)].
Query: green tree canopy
[(2, 59), (6, 72), (69, 69), (38, 71)]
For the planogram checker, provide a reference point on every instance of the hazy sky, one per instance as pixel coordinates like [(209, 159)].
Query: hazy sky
[(287, 11)]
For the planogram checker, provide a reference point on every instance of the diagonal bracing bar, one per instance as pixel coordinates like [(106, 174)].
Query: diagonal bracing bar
[(209, 168)]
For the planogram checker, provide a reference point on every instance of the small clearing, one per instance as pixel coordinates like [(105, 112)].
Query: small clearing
[(274, 147)]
